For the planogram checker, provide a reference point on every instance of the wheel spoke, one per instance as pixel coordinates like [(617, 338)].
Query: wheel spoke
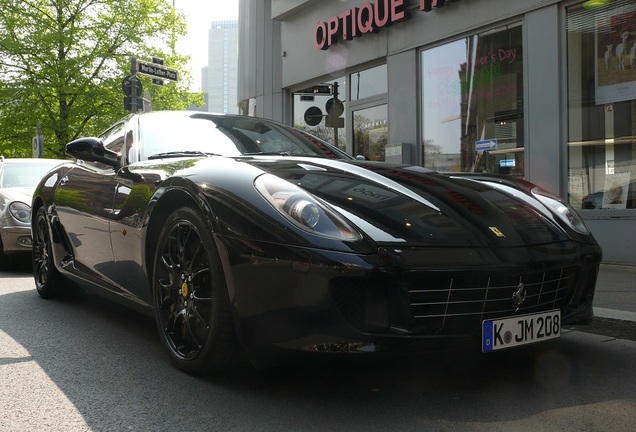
[(172, 255), (183, 237), (167, 265), (41, 272), (172, 320), (197, 298), (198, 253), (190, 331), (203, 291)]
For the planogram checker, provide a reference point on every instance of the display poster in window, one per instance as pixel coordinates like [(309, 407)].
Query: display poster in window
[(577, 187), (616, 187), (615, 43)]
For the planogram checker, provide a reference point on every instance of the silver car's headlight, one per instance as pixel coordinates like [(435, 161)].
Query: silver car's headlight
[(566, 213), (303, 210), (20, 211)]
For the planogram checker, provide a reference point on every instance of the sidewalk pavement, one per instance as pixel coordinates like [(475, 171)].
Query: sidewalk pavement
[(616, 292)]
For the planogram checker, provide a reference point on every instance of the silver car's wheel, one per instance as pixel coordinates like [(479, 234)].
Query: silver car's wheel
[(191, 301)]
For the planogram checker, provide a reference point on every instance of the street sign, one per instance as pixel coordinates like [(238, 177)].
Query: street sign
[(507, 163), (126, 86), (334, 107), (334, 122), (483, 145), (159, 61), (313, 116), (157, 71)]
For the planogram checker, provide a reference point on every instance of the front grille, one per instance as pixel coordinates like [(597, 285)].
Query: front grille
[(454, 302)]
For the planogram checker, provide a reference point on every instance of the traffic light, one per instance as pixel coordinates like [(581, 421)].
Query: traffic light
[(126, 86), (128, 103)]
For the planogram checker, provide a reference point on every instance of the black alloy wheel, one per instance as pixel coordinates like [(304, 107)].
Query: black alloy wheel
[(192, 306), (48, 280)]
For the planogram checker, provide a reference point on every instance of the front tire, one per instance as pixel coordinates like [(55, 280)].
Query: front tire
[(192, 306)]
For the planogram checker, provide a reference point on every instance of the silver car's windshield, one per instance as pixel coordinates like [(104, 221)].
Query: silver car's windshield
[(22, 175)]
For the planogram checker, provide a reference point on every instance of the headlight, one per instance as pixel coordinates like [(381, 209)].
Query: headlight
[(566, 213), (303, 210), (20, 211)]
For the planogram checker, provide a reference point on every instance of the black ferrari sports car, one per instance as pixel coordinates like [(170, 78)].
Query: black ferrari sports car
[(244, 238)]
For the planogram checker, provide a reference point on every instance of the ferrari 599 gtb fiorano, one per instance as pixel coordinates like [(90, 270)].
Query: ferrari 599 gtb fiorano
[(245, 238)]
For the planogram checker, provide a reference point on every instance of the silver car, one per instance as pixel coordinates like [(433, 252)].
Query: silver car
[(18, 179)]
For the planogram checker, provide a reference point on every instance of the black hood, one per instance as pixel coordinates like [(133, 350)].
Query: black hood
[(412, 206)]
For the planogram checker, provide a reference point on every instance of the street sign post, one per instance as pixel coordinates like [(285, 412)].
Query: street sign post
[(131, 85), (37, 143), (157, 71), (158, 61)]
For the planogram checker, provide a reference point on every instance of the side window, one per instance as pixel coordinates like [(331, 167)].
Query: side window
[(113, 140), (116, 144)]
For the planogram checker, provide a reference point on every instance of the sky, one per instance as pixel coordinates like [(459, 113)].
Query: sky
[(199, 14)]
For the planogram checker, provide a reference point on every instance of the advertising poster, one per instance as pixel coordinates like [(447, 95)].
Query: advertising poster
[(615, 195), (615, 40), (577, 188)]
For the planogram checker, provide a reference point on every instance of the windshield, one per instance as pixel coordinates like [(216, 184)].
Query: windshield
[(227, 136), (23, 175)]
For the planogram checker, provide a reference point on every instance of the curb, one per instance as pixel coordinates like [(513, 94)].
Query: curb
[(615, 314)]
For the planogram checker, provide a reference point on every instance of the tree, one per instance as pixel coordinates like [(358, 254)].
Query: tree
[(62, 63), (324, 133), (370, 137)]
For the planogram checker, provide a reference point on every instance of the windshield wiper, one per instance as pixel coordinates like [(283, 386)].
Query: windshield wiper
[(182, 153), (282, 153)]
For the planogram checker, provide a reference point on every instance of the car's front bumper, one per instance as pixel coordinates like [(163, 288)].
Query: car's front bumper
[(16, 239), (327, 301)]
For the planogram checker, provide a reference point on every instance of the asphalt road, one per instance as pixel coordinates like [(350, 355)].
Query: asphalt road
[(89, 365)]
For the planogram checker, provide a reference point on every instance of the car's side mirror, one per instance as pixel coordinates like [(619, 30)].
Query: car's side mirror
[(92, 149), (361, 157)]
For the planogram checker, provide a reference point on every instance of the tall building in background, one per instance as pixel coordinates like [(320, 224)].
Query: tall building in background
[(219, 78)]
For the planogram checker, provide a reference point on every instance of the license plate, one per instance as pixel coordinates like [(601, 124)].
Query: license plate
[(520, 330)]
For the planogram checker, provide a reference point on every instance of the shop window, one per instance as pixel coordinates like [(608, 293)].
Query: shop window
[(370, 132), (319, 110), (601, 44), (472, 104), (369, 82), (368, 95)]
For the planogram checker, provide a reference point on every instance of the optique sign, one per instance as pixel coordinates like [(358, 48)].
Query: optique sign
[(368, 18)]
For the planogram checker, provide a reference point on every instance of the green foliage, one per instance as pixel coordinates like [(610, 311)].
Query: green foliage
[(62, 63)]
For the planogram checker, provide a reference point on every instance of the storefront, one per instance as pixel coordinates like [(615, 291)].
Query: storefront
[(544, 90)]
